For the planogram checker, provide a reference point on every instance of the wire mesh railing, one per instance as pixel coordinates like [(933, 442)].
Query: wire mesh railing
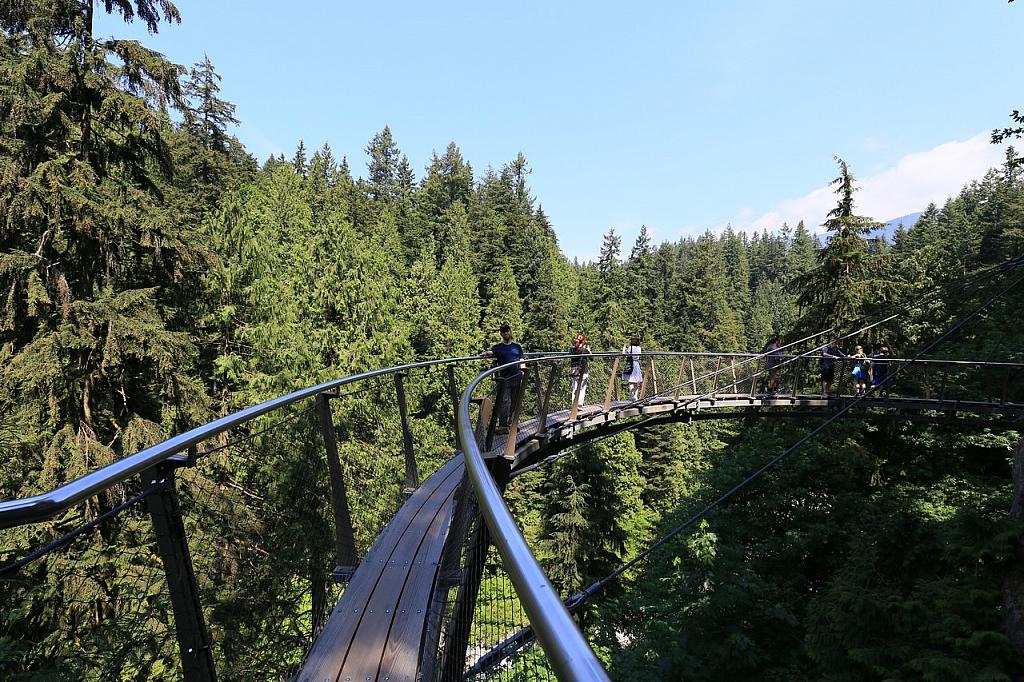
[(84, 596), (231, 561), (654, 382)]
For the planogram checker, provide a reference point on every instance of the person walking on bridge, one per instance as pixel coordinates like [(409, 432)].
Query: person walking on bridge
[(860, 370), (509, 378), (880, 370), (829, 355), (632, 373), (579, 369)]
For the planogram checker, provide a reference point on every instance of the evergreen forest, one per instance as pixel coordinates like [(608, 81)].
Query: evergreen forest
[(155, 276)]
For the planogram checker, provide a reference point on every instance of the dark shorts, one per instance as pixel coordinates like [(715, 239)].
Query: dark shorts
[(828, 374)]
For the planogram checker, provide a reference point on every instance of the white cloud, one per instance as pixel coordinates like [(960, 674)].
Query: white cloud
[(916, 180)]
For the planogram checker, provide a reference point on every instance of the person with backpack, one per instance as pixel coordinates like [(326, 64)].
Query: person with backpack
[(827, 364), (509, 378), (579, 369), (632, 373), (880, 370)]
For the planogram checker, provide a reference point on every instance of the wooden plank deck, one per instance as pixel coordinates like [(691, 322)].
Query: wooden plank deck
[(376, 629)]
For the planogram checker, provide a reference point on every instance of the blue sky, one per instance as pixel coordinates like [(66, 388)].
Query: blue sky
[(683, 116)]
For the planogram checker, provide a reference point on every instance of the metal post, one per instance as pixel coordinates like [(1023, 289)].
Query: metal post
[(453, 393), (344, 539), (412, 476), (189, 625), (611, 385), (643, 380), (449, 574), (453, 658)]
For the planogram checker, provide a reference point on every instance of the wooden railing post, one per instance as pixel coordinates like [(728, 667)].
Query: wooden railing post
[(344, 538), (654, 378), (693, 377), (611, 385), (718, 369), (542, 414), (412, 476), (517, 403), (679, 378)]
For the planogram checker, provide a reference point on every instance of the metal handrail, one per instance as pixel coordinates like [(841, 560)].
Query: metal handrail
[(565, 646), (47, 505)]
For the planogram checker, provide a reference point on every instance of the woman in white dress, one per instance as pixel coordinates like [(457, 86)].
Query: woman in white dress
[(631, 371)]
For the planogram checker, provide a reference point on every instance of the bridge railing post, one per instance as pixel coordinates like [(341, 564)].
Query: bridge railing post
[(344, 537), (482, 422), (516, 406), (453, 393), (679, 378), (492, 422), (612, 381), (545, 402), (189, 624), (412, 476)]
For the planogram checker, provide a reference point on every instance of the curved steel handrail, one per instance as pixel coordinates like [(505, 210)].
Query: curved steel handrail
[(565, 646), (47, 505)]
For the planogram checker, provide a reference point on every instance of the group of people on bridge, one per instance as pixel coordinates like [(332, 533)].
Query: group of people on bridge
[(869, 372)]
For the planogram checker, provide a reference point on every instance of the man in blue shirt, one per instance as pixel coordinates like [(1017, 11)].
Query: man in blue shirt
[(829, 354), (509, 378)]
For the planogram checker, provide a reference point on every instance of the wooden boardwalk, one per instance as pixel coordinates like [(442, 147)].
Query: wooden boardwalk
[(376, 631)]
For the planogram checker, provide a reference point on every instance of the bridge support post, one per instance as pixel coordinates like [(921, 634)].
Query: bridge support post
[(412, 476), (482, 423), (693, 377), (517, 404), (449, 574), (453, 658), (344, 538), (542, 414), (189, 625), (611, 385), (679, 379), (453, 392)]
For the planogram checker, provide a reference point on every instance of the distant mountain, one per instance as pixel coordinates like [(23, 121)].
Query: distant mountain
[(890, 227)]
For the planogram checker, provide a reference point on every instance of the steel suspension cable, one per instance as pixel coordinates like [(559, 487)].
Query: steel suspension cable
[(577, 600), (975, 278)]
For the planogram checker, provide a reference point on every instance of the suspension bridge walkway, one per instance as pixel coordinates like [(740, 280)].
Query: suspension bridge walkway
[(387, 565)]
